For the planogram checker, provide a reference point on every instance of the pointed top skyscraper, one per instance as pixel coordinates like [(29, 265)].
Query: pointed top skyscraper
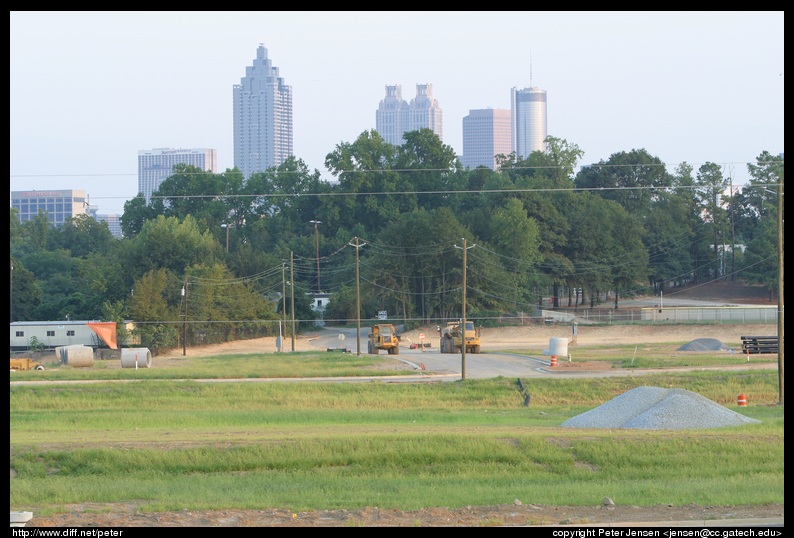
[(262, 117)]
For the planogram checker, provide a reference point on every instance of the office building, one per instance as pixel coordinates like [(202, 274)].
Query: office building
[(486, 134), (57, 204), (262, 108), (529, 122), (157, 165), (395, 116), (391, 118), (113, 220)]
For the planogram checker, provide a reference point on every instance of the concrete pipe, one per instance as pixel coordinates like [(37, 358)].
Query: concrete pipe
[(136, 357), (77, 356)]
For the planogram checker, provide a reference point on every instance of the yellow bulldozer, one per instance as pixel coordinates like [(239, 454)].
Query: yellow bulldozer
[(452, 338), (383, 336), (26, 364)]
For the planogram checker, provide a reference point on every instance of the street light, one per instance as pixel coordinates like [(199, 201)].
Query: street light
[(227, 226), (317, 249)]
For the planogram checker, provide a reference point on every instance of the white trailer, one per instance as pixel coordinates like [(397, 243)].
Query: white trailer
[(52, 334)]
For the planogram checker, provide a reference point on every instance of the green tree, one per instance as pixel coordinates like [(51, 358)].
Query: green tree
[(156, 305), (761, 259), (25, 293), (172, 244), (365, 176), (82, 236), (712, 186), (217, 296), (135, 215), (628, 178)]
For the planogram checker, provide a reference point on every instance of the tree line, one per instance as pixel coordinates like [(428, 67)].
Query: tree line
[(238, 258)]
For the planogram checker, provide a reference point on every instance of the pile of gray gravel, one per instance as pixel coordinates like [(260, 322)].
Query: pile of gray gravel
[(705, 344), (655, 408)]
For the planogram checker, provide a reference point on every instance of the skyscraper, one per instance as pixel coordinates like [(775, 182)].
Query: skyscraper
[(530, 128), (157, 165), (395, 116), (262, 117), (486, 133), (391, 118), (424, 111)]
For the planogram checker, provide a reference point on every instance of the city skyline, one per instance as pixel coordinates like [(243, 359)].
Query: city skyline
[(90, 89)]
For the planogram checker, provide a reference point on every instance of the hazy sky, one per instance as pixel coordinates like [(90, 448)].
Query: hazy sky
[(90, 89)]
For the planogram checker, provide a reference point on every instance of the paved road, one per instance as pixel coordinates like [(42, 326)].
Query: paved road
[(431, 365)]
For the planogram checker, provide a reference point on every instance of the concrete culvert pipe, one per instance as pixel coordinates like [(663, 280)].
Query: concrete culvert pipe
[(132, 356), (77, 356), (558, 347)]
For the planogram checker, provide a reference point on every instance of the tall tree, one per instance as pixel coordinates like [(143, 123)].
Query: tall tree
[(629, 178), (712, 187)]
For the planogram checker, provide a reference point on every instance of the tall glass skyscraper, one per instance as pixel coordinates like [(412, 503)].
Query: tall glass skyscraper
[(530, 127), (262, 117)]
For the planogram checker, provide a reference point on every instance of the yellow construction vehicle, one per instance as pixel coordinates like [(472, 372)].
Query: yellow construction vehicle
[(452, 337), (383, 336), (26, 364)]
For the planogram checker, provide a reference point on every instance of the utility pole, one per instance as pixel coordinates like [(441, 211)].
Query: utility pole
[(184, 322), (283, 304), (463, 320), (780, 285), (358, 299), (292, 291), (317, 250)]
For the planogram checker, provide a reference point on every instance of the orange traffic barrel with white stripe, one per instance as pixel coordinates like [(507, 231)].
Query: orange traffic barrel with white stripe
[(742, 400), (554, 360)]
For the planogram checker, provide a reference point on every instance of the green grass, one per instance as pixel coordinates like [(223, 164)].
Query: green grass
[(242, 366), (171, 444)]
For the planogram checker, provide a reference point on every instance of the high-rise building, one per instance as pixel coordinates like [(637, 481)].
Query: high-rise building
[(113, 220), (391, 118), (262, 117), (424, 112), (530, 127), (395, 117), (57, 204), (486, 134), (157, 165)]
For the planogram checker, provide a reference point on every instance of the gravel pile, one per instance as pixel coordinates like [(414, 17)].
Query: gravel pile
[(705, 344), (654, 408)]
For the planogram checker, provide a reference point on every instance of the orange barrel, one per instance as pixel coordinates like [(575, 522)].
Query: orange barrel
[(554, 360), (742, 400)]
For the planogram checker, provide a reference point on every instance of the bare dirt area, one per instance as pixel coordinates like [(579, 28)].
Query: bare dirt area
[(514, 514), (518, 512)]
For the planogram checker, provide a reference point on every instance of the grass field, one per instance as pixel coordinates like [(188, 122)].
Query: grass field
[(168, 443)]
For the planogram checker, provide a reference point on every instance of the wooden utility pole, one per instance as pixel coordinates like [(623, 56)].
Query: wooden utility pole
[(780, 286), (463, 320), (358, 299), (184, 322), (283, 306), (292, 292)]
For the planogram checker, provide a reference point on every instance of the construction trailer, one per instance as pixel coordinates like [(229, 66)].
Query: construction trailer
[(25, 335)]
